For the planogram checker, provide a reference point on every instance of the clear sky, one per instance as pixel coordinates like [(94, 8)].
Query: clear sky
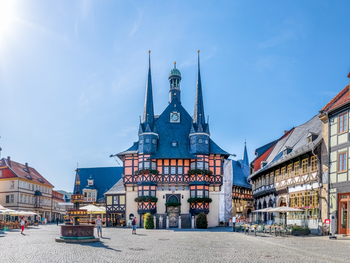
[(73, 73)]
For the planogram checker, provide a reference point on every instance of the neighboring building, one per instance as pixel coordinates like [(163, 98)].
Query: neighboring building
[(95, 182), (58, 211), (116, 205), (173, 160), (242, 196), (335, 125), (290, 174), (66, 195), (23, 188)]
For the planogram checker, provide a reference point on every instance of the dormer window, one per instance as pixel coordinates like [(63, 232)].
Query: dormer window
[(311, 136), (140, 142), (41, 180), (287, 150), (200, 141), (174, 144), (206, 141), (192, 141), (154, 141), (28, 176), (26, 170), (147, 140)]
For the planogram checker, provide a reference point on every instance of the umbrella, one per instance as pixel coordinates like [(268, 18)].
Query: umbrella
[(286, 209), (2, 208), (92, 209)]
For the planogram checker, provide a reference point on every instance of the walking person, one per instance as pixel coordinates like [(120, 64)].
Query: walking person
[(134, 225), (22, 224), (42, 221), (99, 226), (234, 223), (57, 220), (45, 221)]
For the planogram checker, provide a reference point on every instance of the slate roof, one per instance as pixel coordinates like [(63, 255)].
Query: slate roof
[(118, 188), (104, 178), (240, 174), (179, 132), (18, 171), (297, 140)]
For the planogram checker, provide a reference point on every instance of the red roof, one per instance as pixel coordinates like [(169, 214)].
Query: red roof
[(341, 98), (18, 171)]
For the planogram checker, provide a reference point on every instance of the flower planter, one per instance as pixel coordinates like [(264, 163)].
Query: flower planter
[(300, 232)]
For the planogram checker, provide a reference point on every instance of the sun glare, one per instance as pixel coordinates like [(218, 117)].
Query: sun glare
[(7, 8)]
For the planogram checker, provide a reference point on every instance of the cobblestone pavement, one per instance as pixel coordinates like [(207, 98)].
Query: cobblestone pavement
[(214, 245)]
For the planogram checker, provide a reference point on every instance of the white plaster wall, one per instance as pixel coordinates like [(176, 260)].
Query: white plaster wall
[(131, 206), (213, 215)]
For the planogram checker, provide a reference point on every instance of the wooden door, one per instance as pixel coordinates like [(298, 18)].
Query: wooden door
[(343, 214), (173, 213)]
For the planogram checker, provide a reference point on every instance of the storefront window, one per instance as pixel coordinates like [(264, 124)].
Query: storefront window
[(344, 214)]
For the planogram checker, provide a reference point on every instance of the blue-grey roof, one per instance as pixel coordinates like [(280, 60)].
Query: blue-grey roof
[(240, 174), (215, 149), (118, 188), (104, 178), (168, 132), (297, 141)]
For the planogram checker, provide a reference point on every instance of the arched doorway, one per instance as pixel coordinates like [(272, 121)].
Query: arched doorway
[(173, 211)]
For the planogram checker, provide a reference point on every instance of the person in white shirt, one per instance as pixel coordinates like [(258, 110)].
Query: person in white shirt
[(22, 224), (99, 226), (233, 222)]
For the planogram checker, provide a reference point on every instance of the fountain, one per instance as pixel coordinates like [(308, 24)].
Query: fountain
[(77, 233)]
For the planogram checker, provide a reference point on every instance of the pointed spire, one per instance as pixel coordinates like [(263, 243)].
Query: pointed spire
[(77, 182), (199, 106), (155, 130), (148, 112), (192, 129), (148, 129), (245, 155)]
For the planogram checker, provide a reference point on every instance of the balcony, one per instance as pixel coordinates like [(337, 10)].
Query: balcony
[(196, 208), (146, 207)]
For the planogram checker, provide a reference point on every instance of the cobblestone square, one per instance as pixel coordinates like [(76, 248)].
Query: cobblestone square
[(212, 245)]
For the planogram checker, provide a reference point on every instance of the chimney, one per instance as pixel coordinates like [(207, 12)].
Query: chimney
[(9, 160), (27, 167), (284, 133)]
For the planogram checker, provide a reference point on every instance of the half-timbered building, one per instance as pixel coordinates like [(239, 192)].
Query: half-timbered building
[(290, 175), (175, 168)]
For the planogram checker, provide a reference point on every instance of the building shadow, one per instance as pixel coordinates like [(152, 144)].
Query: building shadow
[(96, 245)]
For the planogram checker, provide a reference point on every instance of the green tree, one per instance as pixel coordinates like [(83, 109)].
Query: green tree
[(149, 223), (201, 221)]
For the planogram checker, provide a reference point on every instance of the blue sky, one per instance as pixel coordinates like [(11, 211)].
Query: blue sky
[(73, 73)]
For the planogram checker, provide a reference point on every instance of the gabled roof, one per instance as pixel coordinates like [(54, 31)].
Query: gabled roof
[(240, 174), (104, 178), (168, 132), (340, 99), (18, 171), (297, 140), (118, 188)]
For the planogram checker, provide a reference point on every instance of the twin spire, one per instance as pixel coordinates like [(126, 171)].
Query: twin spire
[(199, 124)]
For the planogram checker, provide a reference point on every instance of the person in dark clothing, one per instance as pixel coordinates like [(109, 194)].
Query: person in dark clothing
[(57, 220)]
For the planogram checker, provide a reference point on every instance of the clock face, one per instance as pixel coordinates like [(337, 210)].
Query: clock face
[(174, 116)]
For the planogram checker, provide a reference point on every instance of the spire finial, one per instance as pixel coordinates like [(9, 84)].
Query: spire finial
[(174, 64)]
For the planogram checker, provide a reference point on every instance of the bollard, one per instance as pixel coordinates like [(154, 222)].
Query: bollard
[(167, 222), (155, 222), (192, 222), (179, 222)]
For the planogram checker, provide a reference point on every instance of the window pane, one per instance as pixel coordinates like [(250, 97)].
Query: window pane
[(173, 170), (166, 170), (115, 200), (200, 165), (122, 199), (179, 170), (146, 165), (153, 193), (193, 194), (200, 193), (193, 165)]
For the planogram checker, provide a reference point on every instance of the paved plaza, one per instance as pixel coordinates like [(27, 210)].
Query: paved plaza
[(213, 245)]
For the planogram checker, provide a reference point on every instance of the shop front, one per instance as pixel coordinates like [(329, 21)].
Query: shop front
[(343, 216)]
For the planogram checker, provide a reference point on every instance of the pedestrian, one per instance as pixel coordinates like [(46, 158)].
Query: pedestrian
[(42, 221), (99, 226), (134, 225), (57, 220), (22, 224), (160, 222), (45, 221), (234, 223)]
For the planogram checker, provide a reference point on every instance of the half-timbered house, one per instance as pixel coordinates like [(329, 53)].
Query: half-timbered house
[(175, 168)]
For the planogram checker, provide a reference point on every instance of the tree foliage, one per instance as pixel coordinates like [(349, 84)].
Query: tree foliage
[(149, 223)]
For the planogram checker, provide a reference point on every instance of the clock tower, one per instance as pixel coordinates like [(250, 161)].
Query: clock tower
[(175, 79)]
